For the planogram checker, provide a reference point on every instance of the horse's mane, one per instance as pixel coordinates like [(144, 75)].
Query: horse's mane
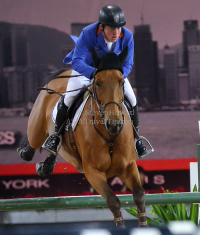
[(54, 74)]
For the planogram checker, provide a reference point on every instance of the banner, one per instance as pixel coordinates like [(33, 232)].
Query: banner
[(20, 186)]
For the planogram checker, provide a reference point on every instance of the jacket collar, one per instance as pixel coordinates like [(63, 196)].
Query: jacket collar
[(102, 42)]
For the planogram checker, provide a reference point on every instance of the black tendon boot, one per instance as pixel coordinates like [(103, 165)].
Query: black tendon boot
[(53, 140), (141, 148)]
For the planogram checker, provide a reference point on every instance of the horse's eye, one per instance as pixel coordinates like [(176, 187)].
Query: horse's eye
[(97, 84)]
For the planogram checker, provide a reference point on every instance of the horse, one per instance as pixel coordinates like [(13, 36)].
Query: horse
[(104, 135)]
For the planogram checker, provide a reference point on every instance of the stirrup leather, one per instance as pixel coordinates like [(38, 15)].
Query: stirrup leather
[(151, 150)]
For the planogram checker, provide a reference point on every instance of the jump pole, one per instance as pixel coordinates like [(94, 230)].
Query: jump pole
[(93, 201)]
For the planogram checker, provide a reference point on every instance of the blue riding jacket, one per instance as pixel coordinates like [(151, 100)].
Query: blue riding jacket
[(90, 36)]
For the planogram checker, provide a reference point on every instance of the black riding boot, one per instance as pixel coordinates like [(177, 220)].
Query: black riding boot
[(141, 148), (53, 140)]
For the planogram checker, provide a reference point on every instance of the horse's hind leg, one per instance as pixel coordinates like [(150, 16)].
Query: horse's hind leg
[(132, 180), (25, 151), (98, 181)]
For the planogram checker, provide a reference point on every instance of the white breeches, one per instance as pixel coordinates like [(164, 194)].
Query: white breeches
[(78, 82)]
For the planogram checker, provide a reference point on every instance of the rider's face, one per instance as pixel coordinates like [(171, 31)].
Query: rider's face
[(112, 34)]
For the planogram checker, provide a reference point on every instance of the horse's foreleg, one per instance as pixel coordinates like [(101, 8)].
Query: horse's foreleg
[(98, 181), (47, 167), (132, 180), (25, 151), (139, 198)]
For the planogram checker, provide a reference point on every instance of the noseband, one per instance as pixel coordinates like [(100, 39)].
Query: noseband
[(101, 108)]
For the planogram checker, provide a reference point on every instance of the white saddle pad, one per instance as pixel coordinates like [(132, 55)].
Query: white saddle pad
[(76, 116)]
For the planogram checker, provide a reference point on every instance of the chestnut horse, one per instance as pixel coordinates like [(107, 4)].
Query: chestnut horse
[(104, 135)]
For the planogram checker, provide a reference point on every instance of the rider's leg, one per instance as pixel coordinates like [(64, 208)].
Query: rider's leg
[(53, 140), (134, 114), (73, 84), (64, 103)]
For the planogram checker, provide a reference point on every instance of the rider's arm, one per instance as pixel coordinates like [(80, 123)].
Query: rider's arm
[(128, 64), (81, 51)]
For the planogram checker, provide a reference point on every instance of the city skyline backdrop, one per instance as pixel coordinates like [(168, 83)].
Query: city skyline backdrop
[(165, 17)]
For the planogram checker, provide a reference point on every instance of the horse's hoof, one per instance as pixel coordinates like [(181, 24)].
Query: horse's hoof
[(43, 169), (142, 224), (119, 221), (26, 153), (121, 227)]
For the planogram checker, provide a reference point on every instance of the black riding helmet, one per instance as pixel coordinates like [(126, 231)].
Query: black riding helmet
[(112, 16)]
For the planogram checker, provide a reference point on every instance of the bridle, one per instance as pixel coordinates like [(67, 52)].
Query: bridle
[(101, 108)]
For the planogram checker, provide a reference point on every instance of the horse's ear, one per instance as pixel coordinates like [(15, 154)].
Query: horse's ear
[(122, 56), (95, 57)]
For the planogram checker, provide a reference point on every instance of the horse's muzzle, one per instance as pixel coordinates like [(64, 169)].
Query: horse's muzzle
[(114, 126)]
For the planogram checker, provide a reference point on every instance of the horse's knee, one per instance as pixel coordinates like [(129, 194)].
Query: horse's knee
[(139, 196), (25, 151)]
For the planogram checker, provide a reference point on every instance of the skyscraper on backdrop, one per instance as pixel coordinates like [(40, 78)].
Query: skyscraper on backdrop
[(194, 70), (146, 65), (171, 82), (191, 36), (191, 56)]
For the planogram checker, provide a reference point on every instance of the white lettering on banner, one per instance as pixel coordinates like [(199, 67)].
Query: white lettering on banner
[(159, 179), (21, 184), (7, 184), (31, 182), (43, 183), (146, 179), (7, 138)]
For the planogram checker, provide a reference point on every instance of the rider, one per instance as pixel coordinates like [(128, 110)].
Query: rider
[(107, 35)]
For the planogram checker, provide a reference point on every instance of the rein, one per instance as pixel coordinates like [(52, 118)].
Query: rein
[(51, 91)]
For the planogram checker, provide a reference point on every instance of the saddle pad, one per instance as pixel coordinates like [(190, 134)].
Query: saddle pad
[(76, 116)]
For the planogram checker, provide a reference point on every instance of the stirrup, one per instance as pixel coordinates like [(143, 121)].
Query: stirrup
[(151, 150), (50, 150)]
